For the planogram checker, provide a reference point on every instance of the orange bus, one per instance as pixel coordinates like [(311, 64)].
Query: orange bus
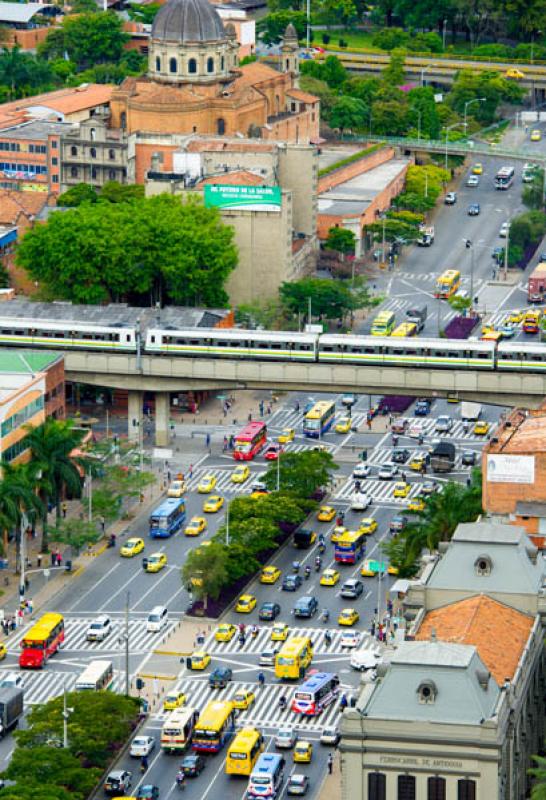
[(42, 641), (250, 441)]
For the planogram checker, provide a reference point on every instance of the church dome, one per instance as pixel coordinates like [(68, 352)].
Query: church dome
[(187, 22)]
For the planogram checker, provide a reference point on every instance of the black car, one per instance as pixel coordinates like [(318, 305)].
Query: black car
[(400, 455), (269, 611), (118, 782), (398, 523), (220, 677), (291, 583), (469, 458), (148, 792), (422, 408), (306, 607), (193, 765), (473, 209)]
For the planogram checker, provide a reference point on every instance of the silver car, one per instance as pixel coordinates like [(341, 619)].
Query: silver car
[(286, 738), (443, 424)]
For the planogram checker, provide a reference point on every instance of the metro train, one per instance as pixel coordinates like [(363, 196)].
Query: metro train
[(278, 346)]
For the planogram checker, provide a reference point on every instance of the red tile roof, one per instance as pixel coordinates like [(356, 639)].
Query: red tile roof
[(240, 178)]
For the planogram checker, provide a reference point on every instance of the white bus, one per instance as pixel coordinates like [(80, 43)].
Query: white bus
[(98, 676), (178, 728), (504, 178)]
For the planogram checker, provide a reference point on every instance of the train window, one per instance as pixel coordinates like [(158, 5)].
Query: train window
[(128, 337), (274, 346), (326, 348), (152, 339), (355, 349), (537, 357), (370, 349)]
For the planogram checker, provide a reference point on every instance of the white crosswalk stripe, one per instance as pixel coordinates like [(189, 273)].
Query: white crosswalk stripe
[(428, 425), (379, 491), (224, 484), (48, 683), (382, 455), (263, 640)]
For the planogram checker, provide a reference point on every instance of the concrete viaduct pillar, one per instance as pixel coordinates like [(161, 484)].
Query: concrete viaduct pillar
[(162, 407), (134, 414)]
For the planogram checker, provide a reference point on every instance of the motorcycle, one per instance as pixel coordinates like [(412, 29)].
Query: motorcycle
[(307, 573), (181, 780), (112, 540), (324, 615)]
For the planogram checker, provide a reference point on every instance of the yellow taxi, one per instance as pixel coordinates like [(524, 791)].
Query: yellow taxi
[(416, 504), (517, 74), (536, 135), (155, 563), (173, 700), (477, 169), (132, 547), (199, 660), (270, 575), (417, 463), (344, 425), (287, 435), (243, 699), (279, 632), (245, 604), (303, 752), (3, 651), (488, 328), (225, 632), (401, 489), (392, 570), (326, 513), (214, 503), (176, 489), (206, 484), (240, 474), (337, 533), (196, 526), (329, 577), (367, 525), (481, 427), (348, 616), (515, 317)]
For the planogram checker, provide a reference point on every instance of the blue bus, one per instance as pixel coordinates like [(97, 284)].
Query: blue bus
[(266, 778), (167, 518), (319, 419), (315, 694)]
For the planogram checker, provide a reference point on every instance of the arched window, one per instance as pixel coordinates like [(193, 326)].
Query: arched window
[(123, 119), (93, 152), (112, 154), (288, 65), (210, 65), (192, 66), (111, 174), (92, 133), (173, 65), (436, 788), (483, 566), (73, 172), (73, 151), (220, 126), (158, 64)]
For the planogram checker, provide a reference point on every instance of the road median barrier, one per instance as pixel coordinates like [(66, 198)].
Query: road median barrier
[(171, 653), (152, 677)]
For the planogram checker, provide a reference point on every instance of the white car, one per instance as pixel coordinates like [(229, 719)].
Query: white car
[(443, 424), (329, 736), (505, 227), (361, 470), (351, 639), (99, 629), (363, 660), (472, 180), (416, 429), (286, 738), (360, 501), (388, 472), (142, 746)]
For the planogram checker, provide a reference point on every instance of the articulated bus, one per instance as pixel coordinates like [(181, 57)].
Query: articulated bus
[(250, 441), (178, 728), (97, 677), (215, 726), (319, 419), (350, 547), (504, 178), (243, 752), (315, 694), (447, 284), (167, 518), (42, 641), (293, 658)]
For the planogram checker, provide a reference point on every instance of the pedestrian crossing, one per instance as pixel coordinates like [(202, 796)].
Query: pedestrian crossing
[(379, 491), (224, 484), (263, 641), (382, 455), (48, 683), (459, 429)]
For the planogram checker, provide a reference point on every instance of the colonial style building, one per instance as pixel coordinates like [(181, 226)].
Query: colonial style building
[(93, 153)]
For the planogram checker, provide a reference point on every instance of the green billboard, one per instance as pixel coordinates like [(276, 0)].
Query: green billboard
[(247, 198)]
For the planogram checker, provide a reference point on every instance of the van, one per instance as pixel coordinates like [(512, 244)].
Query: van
[(306, 607), (267, 776), (157, 619)]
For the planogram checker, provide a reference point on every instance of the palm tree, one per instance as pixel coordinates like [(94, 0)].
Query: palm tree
[(538, 792), (54, 464), (17, 497)]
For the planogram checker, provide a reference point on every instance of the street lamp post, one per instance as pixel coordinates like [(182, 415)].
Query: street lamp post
[(449, 128), (470, 246), (505, 271), (22, 555), (418, 125), (227, 525), (469, 103), (444, 27), (66, 714), (425, 69)]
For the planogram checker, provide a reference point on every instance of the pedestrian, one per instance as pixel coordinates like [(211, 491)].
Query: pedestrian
[(330, 763), (13, 623), (59, 559), (269, 409), (207, 440), (169, 475), (261, 408), (225, 445), (20, 620), (190, 471), (357, 486), (64, 509), (53, 558), (250, 416), (5, 627), (103, 524), (231, 442), (343, 702), (369, 423), (372, 628), (297, 407)]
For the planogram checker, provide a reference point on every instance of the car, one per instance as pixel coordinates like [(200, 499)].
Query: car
[(450, 199), (155, 562), (269, 611), (472, 180), (429, 487), (398, 523), (225, 632), (344, 425), (193, 765), (477, 169), (367, 525), (305, 607), (132, 547), (220, 677), (270, 574), (360, 501), (329, 577), (416, 429), (370, 568), (348, 616), (392, 570), (352, 588), (400, 455), (516, 316), (118, 782), (246, 603), (481, 427), (240, 474), (401, 489), (508, 330), (195, 526), (417, 462), (388, 472), (443, 424), (273, 452), (503, 233), (473, 209), (287, 435), (350, 639), (258, 489), (291, 583), (303, 752), (512, 72), (173, 699), (468, 458), (361, 470), (141, 746), (206, 484), (422, 408), (97, 631), (536, 135), (297, 784), (363, 660), (198, 660), (213, 503), (148, 791), (243, 699), (285, 738), (176, 489), (337, 533), (416, 504), (279, 632), (498, 254), (488, 327), (399, 425), (330, 736), (326, 513), (3, 652), (348, 400), (268, 657)]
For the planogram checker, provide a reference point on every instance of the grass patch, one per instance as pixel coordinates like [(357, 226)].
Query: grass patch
[(350, 159)]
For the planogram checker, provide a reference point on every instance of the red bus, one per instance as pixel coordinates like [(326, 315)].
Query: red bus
[(42, 641), (250, 441)]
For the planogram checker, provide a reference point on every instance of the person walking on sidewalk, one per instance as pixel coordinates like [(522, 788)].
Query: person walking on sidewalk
[(330, 763), (64, 509)]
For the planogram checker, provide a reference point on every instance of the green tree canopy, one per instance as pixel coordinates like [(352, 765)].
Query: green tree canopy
[(208, 567), (87, 39), (348, 113), (272, 27), (302, 473), (23, 74), (76, 195), (329, 299), (341, 239)]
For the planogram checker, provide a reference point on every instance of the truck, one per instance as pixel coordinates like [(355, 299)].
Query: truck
[(11, 708), (442, 458), (470, 412), (536, 285), (418, 316), (426, 236)]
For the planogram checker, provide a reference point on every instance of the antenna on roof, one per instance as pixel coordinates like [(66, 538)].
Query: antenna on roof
[(433, 635)]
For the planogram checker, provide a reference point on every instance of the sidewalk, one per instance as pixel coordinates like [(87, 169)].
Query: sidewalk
[(331, 787)]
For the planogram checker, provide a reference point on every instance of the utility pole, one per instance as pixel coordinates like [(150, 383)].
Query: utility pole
[(127, 676), (89, 496), (66, 713), (308, 26), (279, 472), (227, 525), (506, 250), (22, 554), (309, 313)]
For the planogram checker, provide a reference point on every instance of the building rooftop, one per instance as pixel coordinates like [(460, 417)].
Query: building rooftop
[(202, 144), (536, 509), (35, 129), (20, 12), (236, 178), (351, 198), (13, 204), (25, 361), (61, 101), (498, 632), (520, 432)]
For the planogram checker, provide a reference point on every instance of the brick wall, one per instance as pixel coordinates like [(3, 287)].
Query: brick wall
[(502, 498), (26, 40), (349, 171)]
